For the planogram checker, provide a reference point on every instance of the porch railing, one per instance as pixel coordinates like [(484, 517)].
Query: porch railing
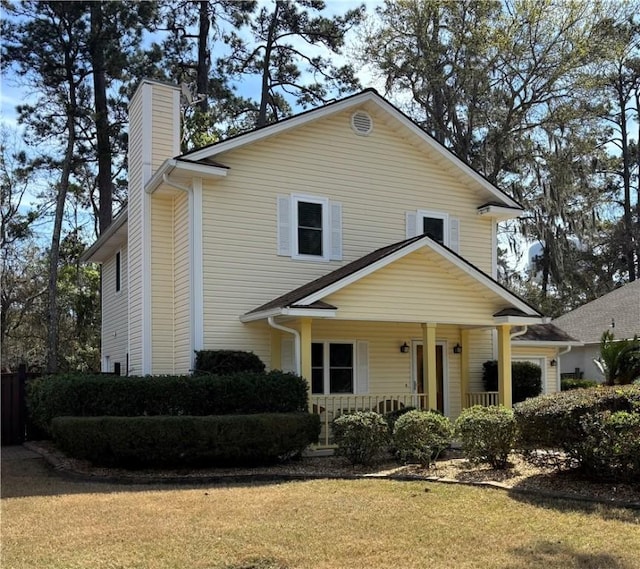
[(484, 398), (331, 406)]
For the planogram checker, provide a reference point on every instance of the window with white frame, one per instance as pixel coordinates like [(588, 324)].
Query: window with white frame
[(332, 367), (440, 226), (309, 228)]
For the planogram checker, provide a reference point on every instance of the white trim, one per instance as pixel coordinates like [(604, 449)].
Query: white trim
[(545, 343), (176, 121), (293, 312), (421, 214), (110, 233), (171, 164), (526, 319), (418, 244), (354, 101), (326, 229), (445, 371), (197, 270), (494, 250), (499, 213)]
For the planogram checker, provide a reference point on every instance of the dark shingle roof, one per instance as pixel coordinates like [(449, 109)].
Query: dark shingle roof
[(544, 333), (621, 306)]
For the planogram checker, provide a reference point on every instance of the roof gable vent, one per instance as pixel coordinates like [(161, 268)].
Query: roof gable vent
[(361, 123)]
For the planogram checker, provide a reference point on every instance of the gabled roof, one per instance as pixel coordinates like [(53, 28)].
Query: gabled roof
[(112, 239), (499, 204), (309, 294), (617, 311)]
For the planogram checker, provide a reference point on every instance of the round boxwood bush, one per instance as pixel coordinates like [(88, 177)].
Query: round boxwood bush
[(360, 436), (420, 436), (487, 434)]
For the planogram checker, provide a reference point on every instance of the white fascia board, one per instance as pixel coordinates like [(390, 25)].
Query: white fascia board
[(519, 320), (172, 164), (426, 241), (114, 230), (291, 312), (282, 126), (500, 213)]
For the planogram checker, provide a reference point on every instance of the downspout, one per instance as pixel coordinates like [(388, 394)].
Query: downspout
[(559, 367), (296, 340), (171, 183), (520, 332)]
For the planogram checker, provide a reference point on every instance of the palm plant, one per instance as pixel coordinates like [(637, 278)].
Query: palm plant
[(619, 360)]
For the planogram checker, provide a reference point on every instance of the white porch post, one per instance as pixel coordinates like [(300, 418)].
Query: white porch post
[(504, 365), (429, 364)]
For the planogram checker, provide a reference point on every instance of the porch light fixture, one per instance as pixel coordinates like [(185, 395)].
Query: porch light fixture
[(457, 349), (404, 348), (553, 363)]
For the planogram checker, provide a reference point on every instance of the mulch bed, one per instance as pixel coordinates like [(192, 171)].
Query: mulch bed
[(521, 477)]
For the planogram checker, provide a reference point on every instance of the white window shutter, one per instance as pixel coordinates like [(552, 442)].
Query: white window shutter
[(362, 367), (287, 355), (454, 234), (335, 228), (412, 219), (284, 226)]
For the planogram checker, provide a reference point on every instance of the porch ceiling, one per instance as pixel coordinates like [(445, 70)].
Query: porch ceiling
[(415, 280)]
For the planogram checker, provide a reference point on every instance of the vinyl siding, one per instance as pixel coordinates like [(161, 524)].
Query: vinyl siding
[(377, 179), (114, 310), (162, 287), (182, 308)]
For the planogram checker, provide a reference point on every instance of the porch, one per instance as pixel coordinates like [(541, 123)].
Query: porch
[(329, 407)]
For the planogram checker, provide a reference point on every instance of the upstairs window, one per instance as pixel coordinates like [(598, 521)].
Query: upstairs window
[(441, 227), (309, 228)]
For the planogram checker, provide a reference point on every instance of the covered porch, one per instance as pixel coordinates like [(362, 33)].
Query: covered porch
[(409, 325)]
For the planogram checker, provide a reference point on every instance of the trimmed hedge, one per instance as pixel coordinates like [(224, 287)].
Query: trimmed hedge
[(560, 421), (568, 384), (100, 395), (225, 362), (526, 379), (186, 441), (487, 434)]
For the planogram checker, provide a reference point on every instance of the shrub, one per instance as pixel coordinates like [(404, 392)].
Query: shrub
[(360, 436), (96, 396), (186, 441), (526, 379), (610, 449), (225, 362), (392, 416), (567, 384), (557, 421), (487, 434), (420, 436)]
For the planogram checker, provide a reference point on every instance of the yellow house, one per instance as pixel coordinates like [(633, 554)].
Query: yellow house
[(343, 243)]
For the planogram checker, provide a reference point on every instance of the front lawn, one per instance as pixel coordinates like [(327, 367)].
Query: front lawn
[(318, 524)]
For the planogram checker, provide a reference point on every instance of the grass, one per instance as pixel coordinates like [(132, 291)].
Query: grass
[(52, 522)]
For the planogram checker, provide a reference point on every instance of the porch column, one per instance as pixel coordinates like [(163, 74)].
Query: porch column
[(464, 365), (305, 352), (429, 364), (276, 349), (504, 365)]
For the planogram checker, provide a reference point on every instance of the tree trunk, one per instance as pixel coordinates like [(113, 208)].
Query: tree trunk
[(265, 90), (204, 57), (105, 185), (629, 249)]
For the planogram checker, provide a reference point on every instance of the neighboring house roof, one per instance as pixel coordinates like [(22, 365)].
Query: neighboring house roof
[(617, 311), (309, 295), (546, 334)]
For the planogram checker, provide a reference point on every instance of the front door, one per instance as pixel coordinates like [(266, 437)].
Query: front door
[(419, 373)]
